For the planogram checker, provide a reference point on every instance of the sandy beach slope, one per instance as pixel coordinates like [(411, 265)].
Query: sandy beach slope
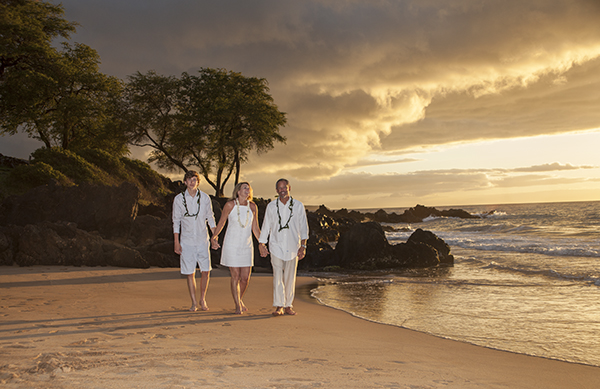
[(64, 327)]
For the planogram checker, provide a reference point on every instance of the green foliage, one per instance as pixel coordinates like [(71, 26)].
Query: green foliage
[(28, 28), (228, 115), (91, 166), (72, 165), (25, 177), (151, 116), (144, 174), (57, 97), (4, 187), (211, 121), (108, 162)]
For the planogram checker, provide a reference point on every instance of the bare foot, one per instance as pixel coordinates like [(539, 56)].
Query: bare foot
[(238, 312), (278, 311), (244, 308), (203, 306), (193, 308), (289, 311)]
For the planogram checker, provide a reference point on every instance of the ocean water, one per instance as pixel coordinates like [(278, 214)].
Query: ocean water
[(526, 279)]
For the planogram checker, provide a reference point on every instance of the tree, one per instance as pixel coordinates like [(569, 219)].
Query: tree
[(227, 116), (58, 97), (151, 116), (70, 105), (211, 121), (27, 28)]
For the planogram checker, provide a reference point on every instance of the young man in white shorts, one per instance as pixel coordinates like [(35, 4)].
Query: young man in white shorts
[(192, 209)]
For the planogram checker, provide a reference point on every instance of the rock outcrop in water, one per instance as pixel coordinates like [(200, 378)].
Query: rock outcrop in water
[(364, 246), (91, 225), (412, 215)]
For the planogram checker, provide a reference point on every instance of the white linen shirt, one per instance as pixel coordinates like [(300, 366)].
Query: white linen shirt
[(284, 244), (192, 230)]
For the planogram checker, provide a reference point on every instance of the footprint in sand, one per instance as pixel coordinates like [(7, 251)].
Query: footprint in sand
[(317, 361), (293, 381), (19, 346), (84, 342)]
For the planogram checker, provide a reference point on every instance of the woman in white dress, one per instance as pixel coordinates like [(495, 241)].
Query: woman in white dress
[(241, 213)]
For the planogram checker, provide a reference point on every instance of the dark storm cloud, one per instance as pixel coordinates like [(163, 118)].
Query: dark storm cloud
[(361, 78), (358, 76)]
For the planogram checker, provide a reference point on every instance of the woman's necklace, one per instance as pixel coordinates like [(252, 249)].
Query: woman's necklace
[(291, 207), (238, 214), (187, 212)]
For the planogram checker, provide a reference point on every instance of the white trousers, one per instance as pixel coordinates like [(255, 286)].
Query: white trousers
[(284, 281)]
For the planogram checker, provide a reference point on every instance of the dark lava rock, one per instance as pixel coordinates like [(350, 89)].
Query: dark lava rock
[(107, 209)]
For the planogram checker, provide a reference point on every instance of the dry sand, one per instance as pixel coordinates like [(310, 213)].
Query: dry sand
[(64, 327)]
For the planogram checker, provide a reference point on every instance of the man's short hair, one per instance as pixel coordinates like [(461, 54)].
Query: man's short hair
[(282, 180), (191, 173)]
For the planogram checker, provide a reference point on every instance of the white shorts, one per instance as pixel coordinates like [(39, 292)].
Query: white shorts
[(192, 256)]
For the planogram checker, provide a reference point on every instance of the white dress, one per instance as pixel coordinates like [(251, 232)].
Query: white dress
[(238, 250)]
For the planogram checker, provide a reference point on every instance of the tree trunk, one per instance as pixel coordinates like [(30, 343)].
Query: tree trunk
[(238, 167)]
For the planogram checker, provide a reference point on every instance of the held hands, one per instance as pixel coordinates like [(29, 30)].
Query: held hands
[(214, 243), (263, 250)]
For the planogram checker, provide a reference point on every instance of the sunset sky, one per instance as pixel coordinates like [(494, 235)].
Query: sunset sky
[(389, 103)]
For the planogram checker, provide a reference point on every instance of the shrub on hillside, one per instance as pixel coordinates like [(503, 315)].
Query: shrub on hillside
[(72, 165), (87, 166), (108, 162), (145, 175), (26, 177)]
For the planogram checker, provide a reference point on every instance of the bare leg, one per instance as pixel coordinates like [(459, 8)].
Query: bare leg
[(203, 288), (235, 288), (244, 282), (191, 282)]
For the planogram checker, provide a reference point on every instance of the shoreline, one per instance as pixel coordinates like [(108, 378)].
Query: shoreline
[(454, 340), (64, 327)]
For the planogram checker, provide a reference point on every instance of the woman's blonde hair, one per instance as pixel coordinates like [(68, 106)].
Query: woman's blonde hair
[(237, 188)]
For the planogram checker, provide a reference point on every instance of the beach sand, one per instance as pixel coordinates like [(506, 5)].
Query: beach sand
[(67, 327)]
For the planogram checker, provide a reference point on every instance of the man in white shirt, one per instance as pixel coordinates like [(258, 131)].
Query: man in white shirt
[(192, 209), (285, 227)]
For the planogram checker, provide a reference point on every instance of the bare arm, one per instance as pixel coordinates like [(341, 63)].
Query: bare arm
[(255, 227), (217, 230), (227, 208), (264, 233)]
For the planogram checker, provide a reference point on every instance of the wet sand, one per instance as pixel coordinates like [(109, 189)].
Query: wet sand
[(66, 327)]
